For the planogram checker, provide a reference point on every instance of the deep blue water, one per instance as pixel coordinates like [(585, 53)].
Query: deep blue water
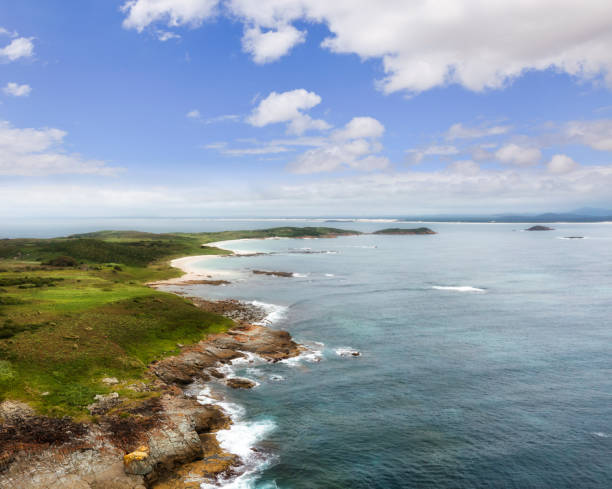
[(506, 388)]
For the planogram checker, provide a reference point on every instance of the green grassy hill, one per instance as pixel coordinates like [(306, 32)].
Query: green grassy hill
[(63, 329)]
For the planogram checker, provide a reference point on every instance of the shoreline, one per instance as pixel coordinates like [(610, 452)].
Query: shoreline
[(180, 439), (258, 318)]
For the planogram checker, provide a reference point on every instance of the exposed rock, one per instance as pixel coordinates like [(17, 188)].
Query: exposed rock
[(238, 311), (110, 381), (210, 418), (14, 410), (240, 383), (539, 228), (104, 403), (163, 442), (138, 461), (275, 274)]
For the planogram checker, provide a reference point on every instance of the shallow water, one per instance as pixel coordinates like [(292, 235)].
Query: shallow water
[(486, 359)]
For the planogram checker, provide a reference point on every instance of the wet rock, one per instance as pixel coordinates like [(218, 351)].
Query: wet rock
[(210, 418), (274, 274), (539, 228), (240, 383)]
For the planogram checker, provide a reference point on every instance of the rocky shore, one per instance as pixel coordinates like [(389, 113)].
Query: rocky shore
[(165, 441)]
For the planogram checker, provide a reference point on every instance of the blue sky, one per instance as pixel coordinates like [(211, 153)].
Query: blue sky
[(298, 108)]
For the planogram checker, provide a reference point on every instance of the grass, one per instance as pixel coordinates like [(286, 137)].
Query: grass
[(63, 329)]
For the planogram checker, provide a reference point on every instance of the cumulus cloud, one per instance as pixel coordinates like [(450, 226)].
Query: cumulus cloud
[(597, 134), (421, 45), (21, 47), (427, 44), (417, 155), (194, 114), (288, 107), (36, 152), (173, 13), (164, 36), (513, 154), (271, 45), (16, 90), (459, 131), (355, 146), (561, 164), (464, 167), (266, 149)]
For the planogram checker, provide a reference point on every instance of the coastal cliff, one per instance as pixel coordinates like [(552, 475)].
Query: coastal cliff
[(99, 372), (153, 443)]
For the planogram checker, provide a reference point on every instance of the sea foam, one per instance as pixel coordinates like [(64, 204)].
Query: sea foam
[(240, 439), (458, 288), (274, 312)]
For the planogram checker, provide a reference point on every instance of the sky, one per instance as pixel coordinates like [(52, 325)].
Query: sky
[(227, 108)]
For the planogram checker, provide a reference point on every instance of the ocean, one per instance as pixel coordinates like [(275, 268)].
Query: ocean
[(485, 359), (485, 355)]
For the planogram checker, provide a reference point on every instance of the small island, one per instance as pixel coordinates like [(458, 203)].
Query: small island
[(405, 231), (539, 228)]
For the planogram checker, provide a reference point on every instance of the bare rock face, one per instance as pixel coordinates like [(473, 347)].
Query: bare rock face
[(138, 462), (163, 443), (104, 403), (14, 410), (199, 361)]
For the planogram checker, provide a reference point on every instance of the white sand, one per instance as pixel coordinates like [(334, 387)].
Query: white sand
[(193, 272)]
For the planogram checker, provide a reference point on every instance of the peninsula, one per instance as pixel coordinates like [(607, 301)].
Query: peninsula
[(94, 363)]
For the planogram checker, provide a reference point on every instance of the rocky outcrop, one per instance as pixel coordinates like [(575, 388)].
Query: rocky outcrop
[(539, 228), (405, 231), (164, 442), (240, 383), (273, 274)]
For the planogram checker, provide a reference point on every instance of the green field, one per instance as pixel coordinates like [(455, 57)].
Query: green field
[(64, 328)]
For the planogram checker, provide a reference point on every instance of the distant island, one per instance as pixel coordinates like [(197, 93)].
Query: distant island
[(405, 231), (539, 228)]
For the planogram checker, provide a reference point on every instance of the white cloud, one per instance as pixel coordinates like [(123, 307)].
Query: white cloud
[(164, 36), (561, 164), (406, 192), (513, 154), (194, 114), (421, 44), (35, 152), (464, 167), (6, 32), (22, 47), (459, 131), (271, 45), (17, 90), (266, 149), (417, 155), (361, 127), (173, 13), (288, 107), (476, 44), (597, 134), (355, 146)]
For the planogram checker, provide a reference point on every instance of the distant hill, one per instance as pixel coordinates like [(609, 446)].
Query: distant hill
[(579, 215)]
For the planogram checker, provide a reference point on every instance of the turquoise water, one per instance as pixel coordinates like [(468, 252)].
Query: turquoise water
[(508, 386)]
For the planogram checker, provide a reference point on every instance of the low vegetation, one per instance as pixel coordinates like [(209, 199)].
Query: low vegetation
[(421, 230), (75, 310)]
